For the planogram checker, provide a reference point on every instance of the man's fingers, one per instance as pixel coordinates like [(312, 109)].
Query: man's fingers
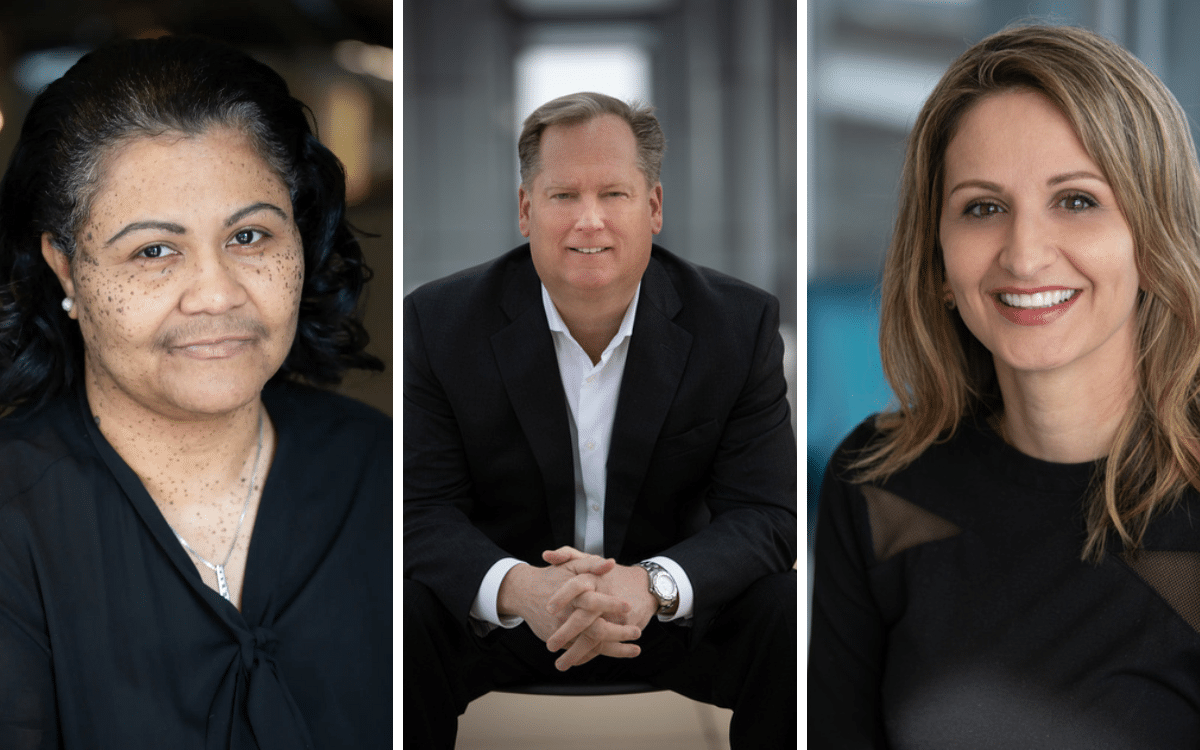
[(590, 627), (613, 608), (620, 650), (561, 555), (569, 592), (571, 630), (595, 641), (597, 566), (578, 562), (581, 652)]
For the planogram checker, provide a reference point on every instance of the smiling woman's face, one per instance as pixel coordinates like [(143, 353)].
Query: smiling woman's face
[(1039, 256), (187, 276)]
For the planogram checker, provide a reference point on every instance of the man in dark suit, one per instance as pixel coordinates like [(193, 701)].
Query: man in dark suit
[(591, 401)]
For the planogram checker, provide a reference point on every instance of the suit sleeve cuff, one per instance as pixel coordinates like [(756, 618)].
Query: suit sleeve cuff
[(684, 584), (484, 606)]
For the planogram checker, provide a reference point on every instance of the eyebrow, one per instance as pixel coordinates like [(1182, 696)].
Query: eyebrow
[(173, 228), (551, 189), (1082, 174), (137, 226), (255, 208), (1055, 180)]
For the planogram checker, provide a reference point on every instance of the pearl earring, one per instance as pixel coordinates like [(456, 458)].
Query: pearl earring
[(67, 304)]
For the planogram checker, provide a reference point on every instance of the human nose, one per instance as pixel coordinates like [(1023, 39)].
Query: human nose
[(214, 286), (591, 218), (1028, 247)]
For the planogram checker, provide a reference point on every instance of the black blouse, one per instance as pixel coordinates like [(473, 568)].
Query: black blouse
[(110, 639), (951, 609)]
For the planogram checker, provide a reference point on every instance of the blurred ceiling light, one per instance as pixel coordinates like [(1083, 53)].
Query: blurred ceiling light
[(364, 59), (345, 126), (545, 71), (606, 7), (37, 69), (886, 91)]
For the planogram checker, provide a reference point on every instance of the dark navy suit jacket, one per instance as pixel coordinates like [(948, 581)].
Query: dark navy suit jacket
[(702, 463)]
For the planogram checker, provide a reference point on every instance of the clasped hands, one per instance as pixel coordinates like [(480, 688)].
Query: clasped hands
[(587, 604)]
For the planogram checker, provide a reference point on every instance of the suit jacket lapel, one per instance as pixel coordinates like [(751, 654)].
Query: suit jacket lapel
[(658, 353), (524, 352)]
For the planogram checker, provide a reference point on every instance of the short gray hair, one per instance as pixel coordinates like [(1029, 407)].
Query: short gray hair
[(585, 106)]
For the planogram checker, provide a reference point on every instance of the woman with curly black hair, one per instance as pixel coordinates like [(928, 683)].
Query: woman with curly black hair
[(194, 542)]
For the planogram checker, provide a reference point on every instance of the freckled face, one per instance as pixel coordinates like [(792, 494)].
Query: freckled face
[(187, 277)]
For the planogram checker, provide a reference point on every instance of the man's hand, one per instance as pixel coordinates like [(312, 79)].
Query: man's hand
[(526, 592), (584, 627)]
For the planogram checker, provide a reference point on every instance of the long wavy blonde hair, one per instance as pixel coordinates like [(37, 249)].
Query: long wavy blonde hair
[(1133, 128)]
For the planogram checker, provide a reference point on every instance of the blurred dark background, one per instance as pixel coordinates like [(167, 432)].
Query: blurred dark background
[(336, 56), (721, 73)]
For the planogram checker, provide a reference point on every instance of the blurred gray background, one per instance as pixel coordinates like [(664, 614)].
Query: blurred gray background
[(721, 73), (871, 65)]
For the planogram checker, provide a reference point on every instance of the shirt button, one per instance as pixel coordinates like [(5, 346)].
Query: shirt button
[(596, 507), (590, 445)]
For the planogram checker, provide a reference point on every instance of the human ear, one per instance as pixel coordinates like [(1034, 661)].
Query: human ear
[(656, 206), (61, 265), (523, 210)]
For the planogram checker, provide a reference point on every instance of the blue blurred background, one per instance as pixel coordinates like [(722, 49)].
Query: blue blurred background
[(871, 65)]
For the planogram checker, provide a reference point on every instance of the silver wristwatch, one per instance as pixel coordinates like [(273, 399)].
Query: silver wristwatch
[(663, 587)]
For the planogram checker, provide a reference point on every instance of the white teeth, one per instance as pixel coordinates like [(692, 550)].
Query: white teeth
[(587, 250), (1039, 299)]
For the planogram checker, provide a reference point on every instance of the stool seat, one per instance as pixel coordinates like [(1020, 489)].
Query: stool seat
[(580, 688)]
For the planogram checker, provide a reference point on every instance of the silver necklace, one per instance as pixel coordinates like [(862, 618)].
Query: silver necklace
[(219, 569)]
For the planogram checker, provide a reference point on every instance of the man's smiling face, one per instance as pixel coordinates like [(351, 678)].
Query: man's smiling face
[(589, 215)]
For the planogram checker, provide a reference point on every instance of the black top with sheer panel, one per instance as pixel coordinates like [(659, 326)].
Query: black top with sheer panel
[(952, 609), (110, 639)]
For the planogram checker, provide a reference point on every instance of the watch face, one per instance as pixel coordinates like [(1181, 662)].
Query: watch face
[(664, 585)]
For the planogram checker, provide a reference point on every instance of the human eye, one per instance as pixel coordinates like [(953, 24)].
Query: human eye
[(248, 236), (560, 196), (154, 252), (1077, 202), (981, 209)]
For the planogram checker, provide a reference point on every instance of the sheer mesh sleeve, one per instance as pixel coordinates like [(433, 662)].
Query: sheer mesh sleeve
[(898, 525), (1176, 578)]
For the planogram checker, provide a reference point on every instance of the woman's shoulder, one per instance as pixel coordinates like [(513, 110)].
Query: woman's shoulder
[(1176, 529), (862, 436), (315, 409), (842, 474), (39, 445), (967, 462), (321, 431)]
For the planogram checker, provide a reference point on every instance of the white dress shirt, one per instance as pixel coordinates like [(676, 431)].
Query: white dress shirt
[(592, 390)]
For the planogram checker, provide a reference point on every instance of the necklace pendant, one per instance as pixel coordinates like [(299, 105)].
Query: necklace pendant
[(222, 586)]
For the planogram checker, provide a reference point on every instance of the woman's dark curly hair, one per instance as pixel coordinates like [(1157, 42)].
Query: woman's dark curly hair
[(144, 88)]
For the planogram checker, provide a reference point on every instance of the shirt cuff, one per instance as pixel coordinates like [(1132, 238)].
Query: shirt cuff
[(484, 606), (683, 583)]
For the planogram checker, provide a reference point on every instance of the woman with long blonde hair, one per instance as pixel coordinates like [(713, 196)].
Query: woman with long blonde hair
[(1011, 556)]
